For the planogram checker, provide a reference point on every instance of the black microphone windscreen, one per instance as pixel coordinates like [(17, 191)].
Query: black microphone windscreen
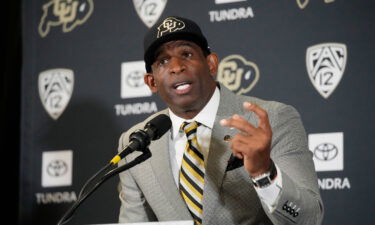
[(160, 125)]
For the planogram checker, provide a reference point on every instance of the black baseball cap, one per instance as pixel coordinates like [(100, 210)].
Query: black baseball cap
[(170, 29)]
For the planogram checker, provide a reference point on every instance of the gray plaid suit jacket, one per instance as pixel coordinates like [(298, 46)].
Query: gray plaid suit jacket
[(149, 193)]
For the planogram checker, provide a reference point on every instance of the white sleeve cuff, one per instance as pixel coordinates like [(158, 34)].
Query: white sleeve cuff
[(270, 194)]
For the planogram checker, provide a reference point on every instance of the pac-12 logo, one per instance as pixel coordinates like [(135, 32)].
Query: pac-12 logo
[(325, 65), (149, 10), (238, 74), (67, 13), (55, 90)]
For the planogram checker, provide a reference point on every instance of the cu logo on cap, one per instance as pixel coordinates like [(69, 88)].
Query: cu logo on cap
[(325, 151), (57, 168), (170, 24)]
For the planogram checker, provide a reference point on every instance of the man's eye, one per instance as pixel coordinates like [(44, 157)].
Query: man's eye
[(187, 54), (163, 61)]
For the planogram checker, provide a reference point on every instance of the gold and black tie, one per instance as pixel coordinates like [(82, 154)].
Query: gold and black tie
[(192, 172)]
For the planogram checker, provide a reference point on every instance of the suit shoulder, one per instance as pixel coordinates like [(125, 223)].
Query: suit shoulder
[(265, 104), (275, 108)]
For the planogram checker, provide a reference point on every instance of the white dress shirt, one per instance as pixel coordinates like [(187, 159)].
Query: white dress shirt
[(206, 117)]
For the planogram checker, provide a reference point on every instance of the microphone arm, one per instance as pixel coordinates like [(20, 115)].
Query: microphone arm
[(82, 197), (138, 141)]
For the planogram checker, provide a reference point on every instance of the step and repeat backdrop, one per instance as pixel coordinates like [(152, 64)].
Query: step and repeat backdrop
[(82, 86)]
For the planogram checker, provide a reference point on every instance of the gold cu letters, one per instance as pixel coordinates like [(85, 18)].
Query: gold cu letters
[(170, 24)]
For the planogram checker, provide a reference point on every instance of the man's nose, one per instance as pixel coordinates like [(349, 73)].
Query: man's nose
[(176, 65)]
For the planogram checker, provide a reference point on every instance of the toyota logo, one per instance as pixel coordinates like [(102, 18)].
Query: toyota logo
[(57, 168), (135, 79), (325, 151)]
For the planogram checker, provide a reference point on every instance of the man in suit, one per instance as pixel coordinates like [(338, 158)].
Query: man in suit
[(250, 161)]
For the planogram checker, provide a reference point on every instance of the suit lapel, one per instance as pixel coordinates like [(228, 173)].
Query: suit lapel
[(160, 163), (219, 153)]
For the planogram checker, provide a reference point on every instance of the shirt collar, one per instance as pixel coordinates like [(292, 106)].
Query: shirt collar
[(206, 116)]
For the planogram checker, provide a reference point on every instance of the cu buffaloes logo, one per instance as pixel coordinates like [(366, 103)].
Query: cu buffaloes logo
[(65, 13), (170, 25), (325, 65), (238, 74)]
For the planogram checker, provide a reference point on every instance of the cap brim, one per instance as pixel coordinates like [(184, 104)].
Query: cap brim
[(188, 36)]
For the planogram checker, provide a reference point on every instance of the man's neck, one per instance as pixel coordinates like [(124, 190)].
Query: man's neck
[(206, 116), (192, 112), (188, 114)]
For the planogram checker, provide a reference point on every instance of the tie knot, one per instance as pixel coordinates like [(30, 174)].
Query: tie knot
[(189, 127)]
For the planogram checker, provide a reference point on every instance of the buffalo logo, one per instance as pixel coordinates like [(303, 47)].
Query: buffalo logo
[(303, 3), (325, 65), (149, 10), (55, 90), (67, 13), (57, 168), (325, 151), (238, 74), (170, 25)]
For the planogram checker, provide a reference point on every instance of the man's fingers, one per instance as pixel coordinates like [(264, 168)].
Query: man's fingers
[(261, 113), (239, 123), (243, 125), (239, 146)]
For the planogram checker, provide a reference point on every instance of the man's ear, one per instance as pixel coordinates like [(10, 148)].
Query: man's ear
[(150, 81), (213, 63)]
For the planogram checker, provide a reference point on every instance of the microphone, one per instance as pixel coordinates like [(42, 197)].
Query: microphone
[(141, 139)]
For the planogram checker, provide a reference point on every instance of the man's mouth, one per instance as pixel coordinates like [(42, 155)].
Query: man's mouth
[(182, 87)]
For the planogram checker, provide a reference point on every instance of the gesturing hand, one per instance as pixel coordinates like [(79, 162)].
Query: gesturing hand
[(252, 144)]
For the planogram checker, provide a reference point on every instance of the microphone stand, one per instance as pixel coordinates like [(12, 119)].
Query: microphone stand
[(83, 196)]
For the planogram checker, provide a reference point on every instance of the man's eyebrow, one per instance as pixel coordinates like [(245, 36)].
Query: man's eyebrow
[(180, 44)]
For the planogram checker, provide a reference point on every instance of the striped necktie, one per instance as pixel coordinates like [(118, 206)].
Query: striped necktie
[(192, 173)]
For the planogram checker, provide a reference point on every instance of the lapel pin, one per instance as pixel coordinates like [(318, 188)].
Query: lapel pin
[(227, 138)]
